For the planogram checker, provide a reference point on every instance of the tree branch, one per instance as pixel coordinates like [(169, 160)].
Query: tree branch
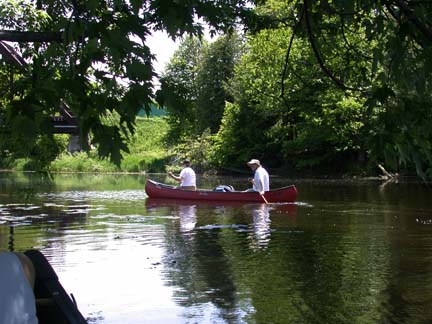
[(288, 55), (321, 63), (30, 37), (397, 17), (411, 17)]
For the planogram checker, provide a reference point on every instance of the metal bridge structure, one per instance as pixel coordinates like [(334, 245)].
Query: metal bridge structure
[(64, 122)]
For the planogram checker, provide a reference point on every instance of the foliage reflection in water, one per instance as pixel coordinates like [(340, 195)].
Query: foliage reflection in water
[(346, 253)]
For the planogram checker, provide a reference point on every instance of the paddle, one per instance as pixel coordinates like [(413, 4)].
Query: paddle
[(262, 195)]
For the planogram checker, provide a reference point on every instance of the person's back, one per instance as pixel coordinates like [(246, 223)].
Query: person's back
[(17, 300), (264, 176), (188, 177)]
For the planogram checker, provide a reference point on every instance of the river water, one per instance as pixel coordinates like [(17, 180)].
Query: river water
[(346, 252)]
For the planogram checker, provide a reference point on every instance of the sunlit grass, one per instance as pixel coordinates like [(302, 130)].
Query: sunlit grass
[(147, 152)]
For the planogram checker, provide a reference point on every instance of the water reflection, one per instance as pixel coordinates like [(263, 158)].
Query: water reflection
[(186, 211), (344, 254), (197, 265), (188, 217), (46, 212), (201, 252), (261, 225)]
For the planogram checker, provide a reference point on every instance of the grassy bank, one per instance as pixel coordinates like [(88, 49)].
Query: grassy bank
[(147, 153)]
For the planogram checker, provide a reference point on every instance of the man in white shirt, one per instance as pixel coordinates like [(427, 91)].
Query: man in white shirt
[(260, 181), (187, 177)]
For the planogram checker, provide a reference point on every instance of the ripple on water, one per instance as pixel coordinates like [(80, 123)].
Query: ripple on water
[(116, 195), (210, 227)]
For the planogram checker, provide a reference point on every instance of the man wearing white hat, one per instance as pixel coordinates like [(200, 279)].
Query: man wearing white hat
[(260, 181)]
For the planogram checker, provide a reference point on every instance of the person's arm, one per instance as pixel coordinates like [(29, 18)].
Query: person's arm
[(177, 178)]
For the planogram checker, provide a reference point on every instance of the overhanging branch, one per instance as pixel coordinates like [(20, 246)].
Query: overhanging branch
[(427, 33), (295, 29), (321, 63), (30, 37)]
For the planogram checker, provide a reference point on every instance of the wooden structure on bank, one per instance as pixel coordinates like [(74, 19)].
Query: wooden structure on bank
[(65, 122)]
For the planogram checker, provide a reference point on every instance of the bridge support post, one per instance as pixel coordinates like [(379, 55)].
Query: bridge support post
[(74, 144)]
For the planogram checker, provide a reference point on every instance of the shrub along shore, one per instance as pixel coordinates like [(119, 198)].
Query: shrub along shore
[(147, 153), (150, 152)]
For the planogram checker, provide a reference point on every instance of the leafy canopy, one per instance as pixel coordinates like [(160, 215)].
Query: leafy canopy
[(93, 56)]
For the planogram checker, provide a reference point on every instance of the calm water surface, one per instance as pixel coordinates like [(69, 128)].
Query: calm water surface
[(346, 252)]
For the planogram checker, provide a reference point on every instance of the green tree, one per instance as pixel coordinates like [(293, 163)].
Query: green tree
[(179, 91), (247, 124), (193, 86), (364, 63), (309, 123), (379, 51), (215, 70), (93, 55), (326, 80)]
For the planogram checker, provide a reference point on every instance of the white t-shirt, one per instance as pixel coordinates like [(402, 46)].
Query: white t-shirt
[(261, 174), (188, 177), (17, 300)]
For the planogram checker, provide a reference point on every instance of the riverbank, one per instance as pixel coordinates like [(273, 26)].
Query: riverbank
[(148, 152)]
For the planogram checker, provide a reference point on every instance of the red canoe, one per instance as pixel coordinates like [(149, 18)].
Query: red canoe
[(159, 190)]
